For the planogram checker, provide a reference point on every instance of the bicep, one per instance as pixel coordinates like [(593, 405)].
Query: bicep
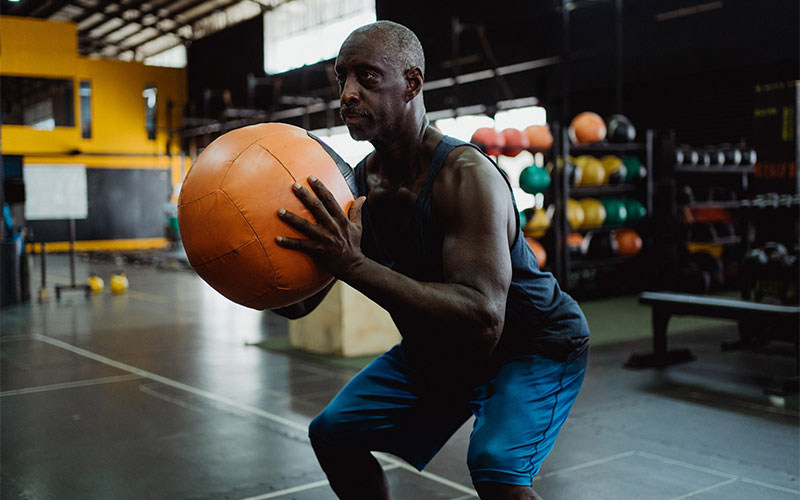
[(473, 208)]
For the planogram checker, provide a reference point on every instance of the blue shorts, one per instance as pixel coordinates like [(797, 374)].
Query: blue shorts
[(518, 415)]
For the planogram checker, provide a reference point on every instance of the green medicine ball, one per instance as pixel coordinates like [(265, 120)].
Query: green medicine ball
[(616, 213), (634, 169), (534, 179), (636, 211)]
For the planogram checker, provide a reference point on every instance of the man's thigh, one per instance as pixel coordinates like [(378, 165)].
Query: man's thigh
[(385, 408), (518, 416)]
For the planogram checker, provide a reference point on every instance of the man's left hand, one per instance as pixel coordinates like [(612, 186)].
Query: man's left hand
[(334, 242)]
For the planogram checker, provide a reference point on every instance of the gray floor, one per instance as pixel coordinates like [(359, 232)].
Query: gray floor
[(158, 394)]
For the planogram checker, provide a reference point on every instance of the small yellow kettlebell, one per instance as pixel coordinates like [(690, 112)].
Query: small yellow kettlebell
[(119, 283), (96, 283)]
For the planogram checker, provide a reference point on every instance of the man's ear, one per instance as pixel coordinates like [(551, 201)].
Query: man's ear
[(414, 81)]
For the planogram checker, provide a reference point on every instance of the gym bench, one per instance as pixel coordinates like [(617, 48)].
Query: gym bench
[(774, 321)]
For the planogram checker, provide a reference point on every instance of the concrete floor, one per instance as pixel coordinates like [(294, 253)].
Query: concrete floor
[(158, 394)]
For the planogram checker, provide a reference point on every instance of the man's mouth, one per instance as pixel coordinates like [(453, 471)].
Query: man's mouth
[(350, 115)]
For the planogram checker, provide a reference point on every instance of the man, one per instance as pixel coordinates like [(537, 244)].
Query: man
[(434, 239)]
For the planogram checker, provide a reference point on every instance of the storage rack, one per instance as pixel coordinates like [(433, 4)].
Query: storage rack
[(564, 263), (736, 178)]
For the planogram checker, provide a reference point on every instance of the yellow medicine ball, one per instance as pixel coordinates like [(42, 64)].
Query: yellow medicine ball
[(575, 214), (593, 172), (537, 226), (594, 213)]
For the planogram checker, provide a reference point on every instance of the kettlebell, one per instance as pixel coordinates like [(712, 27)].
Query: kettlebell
[(119, 283), (96, 283)]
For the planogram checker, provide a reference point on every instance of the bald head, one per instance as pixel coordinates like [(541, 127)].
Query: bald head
[(397, 40)]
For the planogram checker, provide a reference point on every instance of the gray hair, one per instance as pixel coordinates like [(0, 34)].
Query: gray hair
[(398, 40)]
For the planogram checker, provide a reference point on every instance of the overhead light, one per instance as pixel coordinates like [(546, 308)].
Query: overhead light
[(13, 1), (688, 11)]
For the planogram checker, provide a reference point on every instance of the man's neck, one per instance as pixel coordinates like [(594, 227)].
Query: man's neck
[(399, 158)]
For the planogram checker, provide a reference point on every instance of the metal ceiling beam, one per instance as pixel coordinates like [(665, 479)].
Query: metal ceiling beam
[(107, 16), (174, 30), (170, 17), (92, 44), (90, 11), (103, 41), (48, 8), (152, 11)]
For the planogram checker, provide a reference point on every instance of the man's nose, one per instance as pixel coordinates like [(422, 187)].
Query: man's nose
[(350, 92)]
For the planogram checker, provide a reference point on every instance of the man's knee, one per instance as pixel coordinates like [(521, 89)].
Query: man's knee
[(322, 430), (492, 460), (488, 456)]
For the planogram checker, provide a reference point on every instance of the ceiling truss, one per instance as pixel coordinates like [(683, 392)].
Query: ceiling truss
[(137, 29)]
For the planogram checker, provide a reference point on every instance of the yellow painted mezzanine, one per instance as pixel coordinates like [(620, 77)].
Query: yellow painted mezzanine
[(119, 140)]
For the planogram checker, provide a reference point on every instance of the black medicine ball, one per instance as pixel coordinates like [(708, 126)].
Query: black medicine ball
[(620, 129)]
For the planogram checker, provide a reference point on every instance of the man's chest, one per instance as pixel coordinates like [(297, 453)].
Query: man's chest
[(392, 214)]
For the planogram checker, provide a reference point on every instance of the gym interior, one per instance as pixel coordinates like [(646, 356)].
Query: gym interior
[(652, 150)]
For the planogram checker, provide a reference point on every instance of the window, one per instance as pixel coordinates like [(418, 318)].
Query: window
[(149, 94), (85, 93), (304, 32), (41, 103), (170, 58)]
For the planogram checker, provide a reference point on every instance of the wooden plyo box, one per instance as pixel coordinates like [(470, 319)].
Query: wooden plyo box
[(346, 323)]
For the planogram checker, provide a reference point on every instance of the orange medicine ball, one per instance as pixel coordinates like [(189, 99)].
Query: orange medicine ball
[(587, 128), (538, 250), (629, 243), (228, 212), (540, 139)]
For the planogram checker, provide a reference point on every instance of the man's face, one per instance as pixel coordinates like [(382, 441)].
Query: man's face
[(372, 88)]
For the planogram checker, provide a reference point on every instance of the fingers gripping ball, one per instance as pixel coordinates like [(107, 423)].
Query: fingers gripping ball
[(228, 212)]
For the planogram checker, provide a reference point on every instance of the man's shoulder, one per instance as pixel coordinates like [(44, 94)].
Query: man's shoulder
[(468, 172), (466, 159)]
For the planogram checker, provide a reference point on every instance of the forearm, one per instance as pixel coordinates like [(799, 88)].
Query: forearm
[(424, 307), (304, 307)]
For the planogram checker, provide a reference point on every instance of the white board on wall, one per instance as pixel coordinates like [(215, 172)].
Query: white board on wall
[(55, 192)]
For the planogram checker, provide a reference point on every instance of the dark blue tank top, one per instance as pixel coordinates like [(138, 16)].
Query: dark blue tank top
[(540, 317)]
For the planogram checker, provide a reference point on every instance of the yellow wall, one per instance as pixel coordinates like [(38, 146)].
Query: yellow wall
[(36, 48), (47, 49)]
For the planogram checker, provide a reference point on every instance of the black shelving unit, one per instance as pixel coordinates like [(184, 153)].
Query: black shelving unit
[(733, 181), (642, 189)]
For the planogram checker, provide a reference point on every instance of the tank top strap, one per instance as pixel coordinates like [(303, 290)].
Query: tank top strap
[(422, 217), (369, 239), (443, 149), (360, 176)]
